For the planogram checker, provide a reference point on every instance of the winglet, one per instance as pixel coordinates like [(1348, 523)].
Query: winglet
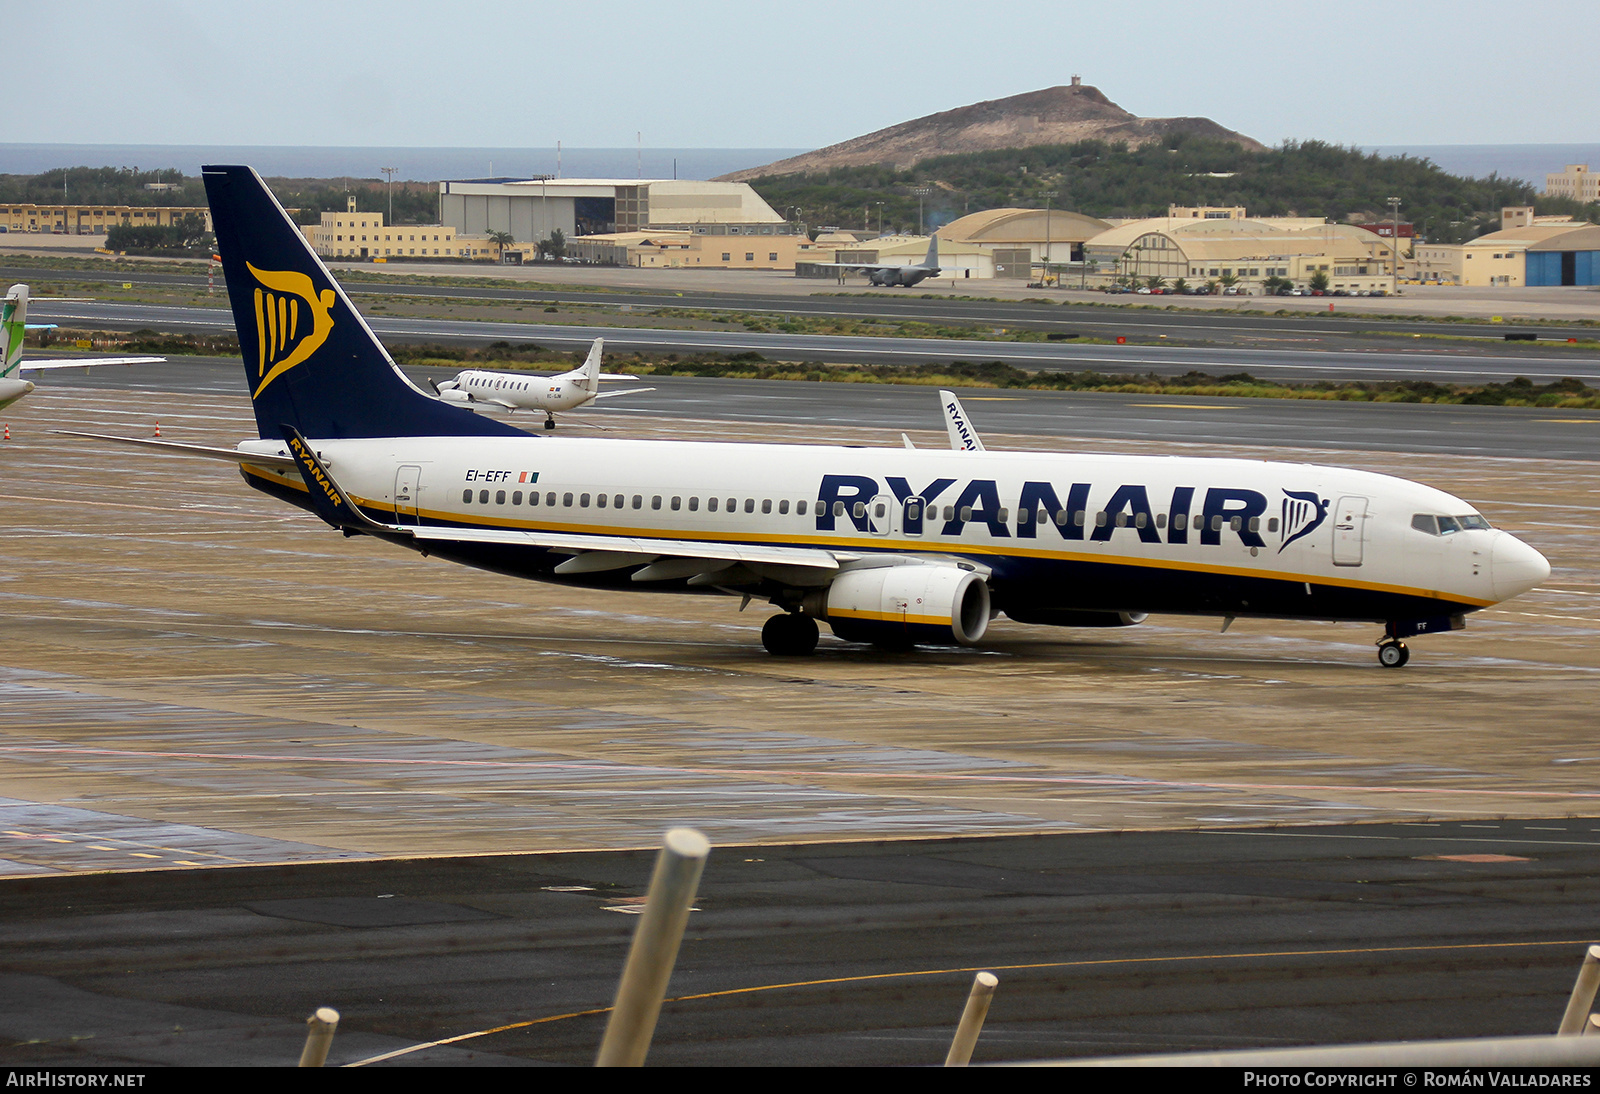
[(328, 498), (13, 327), (963, 437)]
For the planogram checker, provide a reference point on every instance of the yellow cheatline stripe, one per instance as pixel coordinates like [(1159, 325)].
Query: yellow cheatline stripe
[(882, 543), (892, 617), (1095, 963)]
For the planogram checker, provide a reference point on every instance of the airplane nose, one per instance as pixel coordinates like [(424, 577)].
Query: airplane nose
[(1514, 567)]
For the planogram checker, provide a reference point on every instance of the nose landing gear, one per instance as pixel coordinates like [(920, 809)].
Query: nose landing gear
[(549, 420), (1393, 653)]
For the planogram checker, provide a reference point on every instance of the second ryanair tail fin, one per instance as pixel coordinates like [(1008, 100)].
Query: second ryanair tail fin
[(310, 359)]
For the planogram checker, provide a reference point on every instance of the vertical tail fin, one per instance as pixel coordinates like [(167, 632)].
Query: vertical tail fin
[(13, 327), (963, 437), (589, 373), (933, 251), (310, 359)]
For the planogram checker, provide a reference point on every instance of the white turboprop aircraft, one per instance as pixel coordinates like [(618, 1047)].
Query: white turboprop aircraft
[(891, 546), (894, 273), (14, 326), (515, 391)]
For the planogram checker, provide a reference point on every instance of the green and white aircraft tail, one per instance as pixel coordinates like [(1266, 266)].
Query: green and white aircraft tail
[(14, 327)]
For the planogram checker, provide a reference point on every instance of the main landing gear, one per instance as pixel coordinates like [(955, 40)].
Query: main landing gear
[(549, 420), (1392, 653), (789, 635)]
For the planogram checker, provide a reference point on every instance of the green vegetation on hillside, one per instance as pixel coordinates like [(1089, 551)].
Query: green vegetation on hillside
[(1306, 179), (101, 186)]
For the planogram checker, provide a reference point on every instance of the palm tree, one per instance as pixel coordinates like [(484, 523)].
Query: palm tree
[(501, 241)]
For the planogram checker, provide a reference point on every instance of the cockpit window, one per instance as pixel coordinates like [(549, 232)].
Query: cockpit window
[(1444, 526)]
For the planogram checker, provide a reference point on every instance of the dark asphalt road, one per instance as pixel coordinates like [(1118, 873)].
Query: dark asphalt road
[(1281, 423), (855, 954), (1290, 363), (855, 301)]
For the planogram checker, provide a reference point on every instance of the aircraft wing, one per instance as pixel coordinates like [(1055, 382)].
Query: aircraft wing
[(809, 557), (85, 362), (628, 391)]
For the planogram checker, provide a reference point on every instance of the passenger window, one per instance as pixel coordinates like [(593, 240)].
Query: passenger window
[(600, 501), (533, 497), (677, 503), (566, 499), (1216, 524), (583, 501), (1180, 521), (880, 510), (550, 498), (1140, 520), (1122, 520), (1079, 517), (838, 508), (966, 512), (1100, 519), (1024, 516), (949, 513), (483, 497), (638, 501), (655, 501), (1161, 520), (466, 497), (1003, 515), (783, 506), (1272, 524), (1255, 524), (749, 505), (616, 502), (1235, 523), (499, 497), (766, 505), (694, 504), (801, 506), (913, 512), (859, 509), (1062, 516), (516, 497), (711, 505)]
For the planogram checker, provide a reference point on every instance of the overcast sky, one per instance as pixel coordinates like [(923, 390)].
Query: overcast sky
[(759, 74)]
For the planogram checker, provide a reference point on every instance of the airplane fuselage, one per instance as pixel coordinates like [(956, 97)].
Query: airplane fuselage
[(904, 276), (546, 393), (1054, 532)]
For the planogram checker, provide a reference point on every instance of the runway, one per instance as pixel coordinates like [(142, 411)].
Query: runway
[(1290, 362), (1188, 424), (206, 685)]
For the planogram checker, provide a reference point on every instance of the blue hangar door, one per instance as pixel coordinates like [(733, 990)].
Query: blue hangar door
[(1563, 267)]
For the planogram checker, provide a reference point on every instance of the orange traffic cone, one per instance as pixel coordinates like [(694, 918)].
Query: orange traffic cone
[(8, 431), (158, 429)]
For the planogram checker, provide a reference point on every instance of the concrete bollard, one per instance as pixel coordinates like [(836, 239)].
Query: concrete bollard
[(1583, 992), (319, 1037), (972, 1017), (655, 949)]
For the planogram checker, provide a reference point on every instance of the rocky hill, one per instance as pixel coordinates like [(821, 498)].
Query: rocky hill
[(1056, 115)]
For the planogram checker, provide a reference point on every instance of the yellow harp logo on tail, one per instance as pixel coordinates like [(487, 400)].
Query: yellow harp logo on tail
[(292, 322)]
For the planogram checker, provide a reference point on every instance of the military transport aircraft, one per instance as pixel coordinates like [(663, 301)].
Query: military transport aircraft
[(14, 326), (515, 391), (894, 273), (891, 546)]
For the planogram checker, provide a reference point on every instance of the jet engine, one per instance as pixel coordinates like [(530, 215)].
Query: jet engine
[(906, 604)]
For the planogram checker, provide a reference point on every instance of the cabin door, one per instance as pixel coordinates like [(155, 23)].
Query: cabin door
[(1349, 530), (407, 486)]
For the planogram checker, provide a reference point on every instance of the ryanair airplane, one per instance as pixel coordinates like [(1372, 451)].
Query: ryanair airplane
[(891, 546)]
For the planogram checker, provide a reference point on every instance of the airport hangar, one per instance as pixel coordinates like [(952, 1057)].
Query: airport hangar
[(613, 212)]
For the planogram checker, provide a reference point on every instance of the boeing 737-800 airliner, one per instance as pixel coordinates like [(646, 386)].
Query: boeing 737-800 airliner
[(892, 546)]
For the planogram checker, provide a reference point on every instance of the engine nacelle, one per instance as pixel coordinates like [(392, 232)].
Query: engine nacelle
[(1051, 618), (454, 395), (905, 604)]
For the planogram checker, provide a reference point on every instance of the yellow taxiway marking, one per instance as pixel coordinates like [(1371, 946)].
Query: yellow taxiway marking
[(973, 969), (994, 398), (1571, 421)]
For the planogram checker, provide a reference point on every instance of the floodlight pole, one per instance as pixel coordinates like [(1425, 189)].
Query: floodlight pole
[(1048, 195), (1394, 246), (921, 192), (390, 172)]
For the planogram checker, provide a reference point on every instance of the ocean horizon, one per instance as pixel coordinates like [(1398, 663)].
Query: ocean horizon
[(1529, 162)]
